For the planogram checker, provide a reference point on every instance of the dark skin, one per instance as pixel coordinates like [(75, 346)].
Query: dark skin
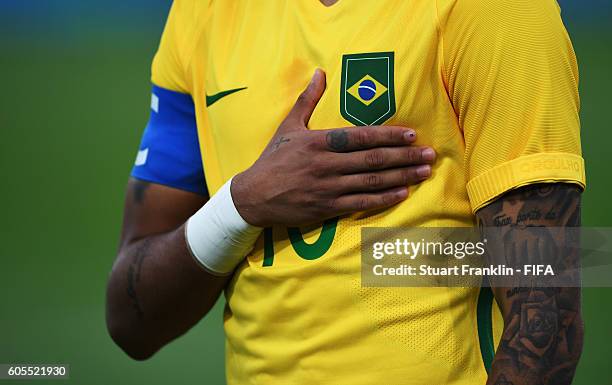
[(331, 172), (543, 329), (157, 291), (328, 3), (142, 314)]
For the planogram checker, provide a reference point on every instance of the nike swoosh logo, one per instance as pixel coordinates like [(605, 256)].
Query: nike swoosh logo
[(212, 99)]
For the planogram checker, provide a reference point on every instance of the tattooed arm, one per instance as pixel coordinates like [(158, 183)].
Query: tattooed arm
[(156, 290), (543, 329)]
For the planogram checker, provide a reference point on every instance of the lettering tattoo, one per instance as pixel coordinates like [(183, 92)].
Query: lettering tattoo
[(543, 331), (337, 140), (133, 275), (278, 142)]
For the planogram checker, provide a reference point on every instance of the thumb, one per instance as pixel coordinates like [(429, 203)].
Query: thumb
[(307, 101)]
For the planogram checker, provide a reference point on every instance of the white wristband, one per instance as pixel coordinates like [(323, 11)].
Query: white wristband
[(217, 235)]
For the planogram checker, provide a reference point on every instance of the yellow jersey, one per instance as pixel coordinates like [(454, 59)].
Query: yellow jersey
[(491, 85)]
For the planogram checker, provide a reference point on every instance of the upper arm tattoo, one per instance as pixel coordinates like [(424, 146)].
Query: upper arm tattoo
[(542, 338), (139, 189)]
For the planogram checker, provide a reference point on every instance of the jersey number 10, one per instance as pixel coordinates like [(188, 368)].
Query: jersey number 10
[(308, 251)]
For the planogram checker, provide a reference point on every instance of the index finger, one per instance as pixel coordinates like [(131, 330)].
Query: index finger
[(364, 137)]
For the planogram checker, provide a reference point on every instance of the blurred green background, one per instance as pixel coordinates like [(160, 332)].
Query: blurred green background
[(74, 100)]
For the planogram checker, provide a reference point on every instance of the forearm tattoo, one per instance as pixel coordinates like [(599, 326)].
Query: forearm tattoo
[(133, 275), (543, 331)]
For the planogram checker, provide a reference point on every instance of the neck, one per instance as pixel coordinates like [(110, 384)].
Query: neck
[(328, 3)]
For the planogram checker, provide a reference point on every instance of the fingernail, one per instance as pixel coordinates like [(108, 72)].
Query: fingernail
[(423, 171), (403, 193), (428, 154), (410, 135)]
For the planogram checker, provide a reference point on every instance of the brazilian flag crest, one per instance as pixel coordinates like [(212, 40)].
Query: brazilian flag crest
[(367, 92)]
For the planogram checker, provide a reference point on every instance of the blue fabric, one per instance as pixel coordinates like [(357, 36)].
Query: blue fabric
[(169, 150)]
